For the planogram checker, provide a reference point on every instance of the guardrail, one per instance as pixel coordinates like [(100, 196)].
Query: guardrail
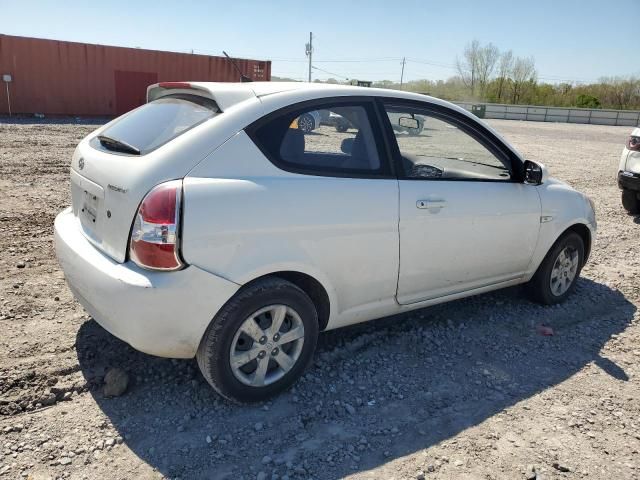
[(534, 113)]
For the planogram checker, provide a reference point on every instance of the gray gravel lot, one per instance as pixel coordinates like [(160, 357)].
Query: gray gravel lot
[(469, 389)]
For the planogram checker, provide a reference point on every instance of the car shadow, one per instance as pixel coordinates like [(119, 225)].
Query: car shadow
[(376, 391)]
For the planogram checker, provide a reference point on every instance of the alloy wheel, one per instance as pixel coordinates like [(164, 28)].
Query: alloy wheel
[(305, 123), (564, 271), (267, 345)]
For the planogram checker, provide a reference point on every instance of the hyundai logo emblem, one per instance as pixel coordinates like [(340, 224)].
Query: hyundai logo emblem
[(81, 163)]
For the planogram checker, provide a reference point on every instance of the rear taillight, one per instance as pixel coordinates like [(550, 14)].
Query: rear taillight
[(155, 233), (633, 143)]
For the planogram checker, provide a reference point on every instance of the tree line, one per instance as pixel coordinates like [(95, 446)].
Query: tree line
[(485, 74)]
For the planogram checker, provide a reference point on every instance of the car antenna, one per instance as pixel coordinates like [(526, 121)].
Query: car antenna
[(243, 77)]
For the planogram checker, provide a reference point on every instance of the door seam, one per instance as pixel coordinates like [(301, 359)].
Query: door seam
[(399, 244)]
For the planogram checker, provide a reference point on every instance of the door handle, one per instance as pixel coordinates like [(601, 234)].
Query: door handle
[(429, 204)]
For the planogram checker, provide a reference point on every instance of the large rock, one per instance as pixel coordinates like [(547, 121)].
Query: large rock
[(115, 382), (48, 399)]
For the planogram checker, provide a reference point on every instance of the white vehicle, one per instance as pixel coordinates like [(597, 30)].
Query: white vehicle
[(205, 224), (629, 173)]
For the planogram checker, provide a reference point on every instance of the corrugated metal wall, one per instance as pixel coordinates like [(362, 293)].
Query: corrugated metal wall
[(67, 78), (630, 118)]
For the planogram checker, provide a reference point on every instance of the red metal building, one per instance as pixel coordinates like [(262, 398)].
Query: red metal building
[(68, 78)]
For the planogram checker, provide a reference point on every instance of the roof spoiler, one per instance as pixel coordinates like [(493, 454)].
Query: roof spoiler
[(224, 94), (161, 89)]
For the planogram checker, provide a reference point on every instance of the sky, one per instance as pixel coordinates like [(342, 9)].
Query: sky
[(570, 40)]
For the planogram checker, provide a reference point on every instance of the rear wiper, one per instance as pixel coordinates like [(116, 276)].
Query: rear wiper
[(117, 145)]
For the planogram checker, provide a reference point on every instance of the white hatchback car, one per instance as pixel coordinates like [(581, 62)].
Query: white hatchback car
[(629, 173), (205, 224)]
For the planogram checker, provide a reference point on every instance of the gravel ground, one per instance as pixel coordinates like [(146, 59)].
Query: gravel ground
[(470, 389)]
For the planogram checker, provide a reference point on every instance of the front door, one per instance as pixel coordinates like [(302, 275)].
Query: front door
[(465, 220)]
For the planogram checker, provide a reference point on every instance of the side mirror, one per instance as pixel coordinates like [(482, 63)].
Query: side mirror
[(347, 145), (535, 173), (408, 122)]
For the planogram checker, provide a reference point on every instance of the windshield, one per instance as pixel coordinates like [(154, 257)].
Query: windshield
[(156, 123)]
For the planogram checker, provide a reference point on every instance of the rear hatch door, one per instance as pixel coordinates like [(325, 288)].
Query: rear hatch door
[(116, 166)]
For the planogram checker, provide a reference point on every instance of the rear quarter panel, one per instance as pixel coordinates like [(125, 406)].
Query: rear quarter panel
[(126, 179)]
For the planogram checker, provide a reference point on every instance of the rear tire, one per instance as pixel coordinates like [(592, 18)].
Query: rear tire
[(306, 123), (225, 339), (558, 273), (630, 201)]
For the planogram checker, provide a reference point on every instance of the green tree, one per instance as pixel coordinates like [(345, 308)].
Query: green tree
[(587, 101)]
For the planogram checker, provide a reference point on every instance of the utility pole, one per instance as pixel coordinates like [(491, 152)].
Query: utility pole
[(309, 52), (6, 78), (404, 60)]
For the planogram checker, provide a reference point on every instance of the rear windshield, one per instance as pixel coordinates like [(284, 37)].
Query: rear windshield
[(156, 123)]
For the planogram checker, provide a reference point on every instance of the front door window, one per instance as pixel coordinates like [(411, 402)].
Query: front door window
[(432, 147)]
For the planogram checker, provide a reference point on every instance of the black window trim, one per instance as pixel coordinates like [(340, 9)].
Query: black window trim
[(387, 168), (472, 128)]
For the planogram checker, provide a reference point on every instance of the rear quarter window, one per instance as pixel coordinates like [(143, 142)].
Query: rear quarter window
[(158, 122)]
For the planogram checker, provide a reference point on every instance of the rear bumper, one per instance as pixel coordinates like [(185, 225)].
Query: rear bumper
[(161, 313), (629, 181)]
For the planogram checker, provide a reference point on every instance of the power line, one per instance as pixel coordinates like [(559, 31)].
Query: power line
[(261, 57), (362, 60), (330, 73), (550, 78), (432, 63)]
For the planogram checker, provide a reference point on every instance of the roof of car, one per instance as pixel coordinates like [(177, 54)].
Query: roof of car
[(261, 89), (228, 94)]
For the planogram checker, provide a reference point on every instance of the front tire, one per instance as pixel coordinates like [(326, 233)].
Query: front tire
[(630, 201), (260, 342), (556, 276)]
